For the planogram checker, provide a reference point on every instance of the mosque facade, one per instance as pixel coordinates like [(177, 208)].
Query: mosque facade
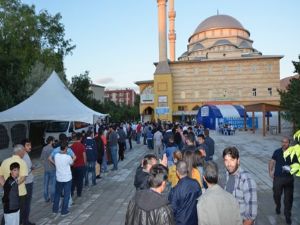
[(220, 66)]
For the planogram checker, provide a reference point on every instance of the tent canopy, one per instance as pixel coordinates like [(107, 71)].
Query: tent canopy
[(208, 114), (52, 101)]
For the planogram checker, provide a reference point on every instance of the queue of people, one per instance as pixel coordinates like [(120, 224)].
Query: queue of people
[(68, 166)]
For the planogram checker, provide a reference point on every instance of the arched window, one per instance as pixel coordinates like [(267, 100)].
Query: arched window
[(18, 133), (4, 139)]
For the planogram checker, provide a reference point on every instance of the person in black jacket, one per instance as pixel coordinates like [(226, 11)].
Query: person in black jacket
[(149, 206), (143, 172), (183, 197), (11, 206)]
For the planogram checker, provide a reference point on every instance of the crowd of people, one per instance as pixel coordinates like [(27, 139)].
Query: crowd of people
[(69, 164), (178, 182)]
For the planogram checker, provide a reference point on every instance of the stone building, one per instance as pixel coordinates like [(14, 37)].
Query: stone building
[(220, 66)]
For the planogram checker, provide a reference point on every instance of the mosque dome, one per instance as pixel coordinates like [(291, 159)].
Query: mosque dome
[(219, 36), (217, 22)]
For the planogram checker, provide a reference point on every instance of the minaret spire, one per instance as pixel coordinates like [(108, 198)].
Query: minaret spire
[(172, 33)]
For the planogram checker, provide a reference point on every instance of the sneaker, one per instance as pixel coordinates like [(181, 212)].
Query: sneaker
[(30, 223), (65, 214), (288, 220)]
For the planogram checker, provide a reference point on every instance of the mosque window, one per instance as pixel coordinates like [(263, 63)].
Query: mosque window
[(270, 67), (239, 68), (270, 91), (253, 91), (210, 70), (182, 107), (182, 94), (253, 68)]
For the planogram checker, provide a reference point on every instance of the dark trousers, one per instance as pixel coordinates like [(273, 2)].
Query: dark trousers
[(62, 187), (121, 150), (22, 209), (286, 185), (78, 174), (29, 188), (130, 143)]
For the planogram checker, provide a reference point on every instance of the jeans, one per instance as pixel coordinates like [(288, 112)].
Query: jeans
[(64, 187), (286, 185), (150, 143), (22, 209), (129, 141), (114, 156), (78, 174), (121, 150), (104, 162), (49, 183), (138, 138), (91, 167), (29, 188)]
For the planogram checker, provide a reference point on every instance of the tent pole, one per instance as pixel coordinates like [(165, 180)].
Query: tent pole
[(253, 124), (264, 120), (279, 122)]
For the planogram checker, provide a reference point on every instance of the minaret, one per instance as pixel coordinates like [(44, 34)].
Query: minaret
[(162, 30), (172, 34)]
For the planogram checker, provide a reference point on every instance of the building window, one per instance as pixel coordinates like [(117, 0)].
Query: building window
[(181, 108), (270, 91), (253, 91), (253, 68), (182, 95), (270, 67)]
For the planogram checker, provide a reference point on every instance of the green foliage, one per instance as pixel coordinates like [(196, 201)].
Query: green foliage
[(297, 65), (290, 99), (294, 151), (28, 39), (80, 87)]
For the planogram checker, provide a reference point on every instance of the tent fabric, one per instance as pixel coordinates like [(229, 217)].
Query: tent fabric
[(208, 114), (52, 101)]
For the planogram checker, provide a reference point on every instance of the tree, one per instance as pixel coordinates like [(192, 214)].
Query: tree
[(290, 99), (294, 151), (297, 65), (80, 87), (28, 39)]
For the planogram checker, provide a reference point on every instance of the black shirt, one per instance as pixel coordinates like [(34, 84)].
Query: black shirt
[(280, 162)]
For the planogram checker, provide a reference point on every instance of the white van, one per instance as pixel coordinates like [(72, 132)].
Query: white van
[(55, 128)]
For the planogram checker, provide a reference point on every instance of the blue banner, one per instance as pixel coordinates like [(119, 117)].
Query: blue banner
[(238, 122)]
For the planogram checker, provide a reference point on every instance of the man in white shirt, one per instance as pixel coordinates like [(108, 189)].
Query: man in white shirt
[(63, 163), (158, 146)]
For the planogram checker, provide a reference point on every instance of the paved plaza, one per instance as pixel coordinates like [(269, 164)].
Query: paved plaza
[(105, 203)]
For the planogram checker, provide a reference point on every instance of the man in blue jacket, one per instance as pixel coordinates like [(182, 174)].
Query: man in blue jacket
[(91, 158), (183, 197)]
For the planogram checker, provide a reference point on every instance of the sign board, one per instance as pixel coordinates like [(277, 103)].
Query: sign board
[(147, 95), (237, 122), (163, 99), (204, 111), (161, 110)]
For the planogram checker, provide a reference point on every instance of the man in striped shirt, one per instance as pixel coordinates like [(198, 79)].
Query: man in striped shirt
[(241, 185)]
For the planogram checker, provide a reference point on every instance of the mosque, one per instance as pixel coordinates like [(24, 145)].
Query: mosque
[(220, 66)]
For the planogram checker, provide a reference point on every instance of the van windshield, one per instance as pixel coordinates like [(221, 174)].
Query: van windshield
[(58, 126)]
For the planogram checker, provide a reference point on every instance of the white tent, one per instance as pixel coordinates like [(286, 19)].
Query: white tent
[(52, 101)]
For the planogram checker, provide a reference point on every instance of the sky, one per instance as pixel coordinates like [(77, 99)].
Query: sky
[(117, 40)]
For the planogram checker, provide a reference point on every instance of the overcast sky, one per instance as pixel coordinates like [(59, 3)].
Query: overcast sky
[(117, 41)]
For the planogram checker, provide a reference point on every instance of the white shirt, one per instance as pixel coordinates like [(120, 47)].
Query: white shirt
[(63, 164), (29, 178), (157, 138)]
